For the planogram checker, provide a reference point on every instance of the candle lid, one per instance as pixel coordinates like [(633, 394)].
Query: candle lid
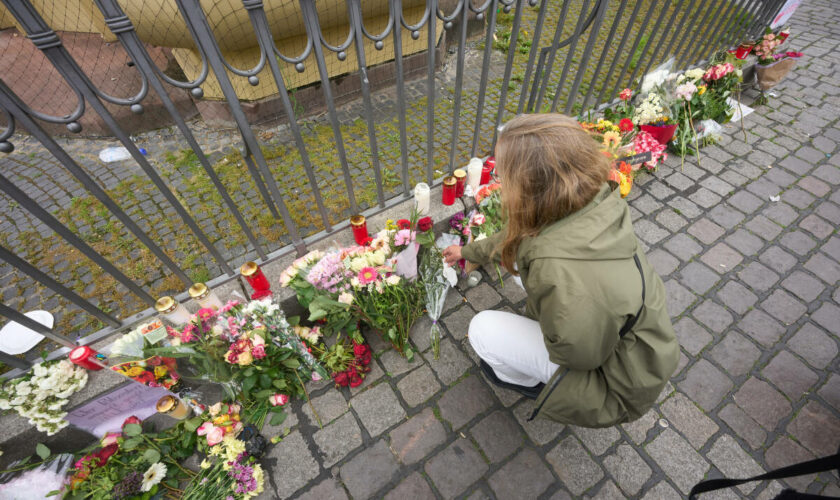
[(80, 352), (450, 181), (249, 268), (199, 291), (165, 304), (357, 220), (421, 187), (166, 404), (459, 173)]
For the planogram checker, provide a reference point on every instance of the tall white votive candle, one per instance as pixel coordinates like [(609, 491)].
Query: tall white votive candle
[(474, 173), (421, 198), (172, 311)]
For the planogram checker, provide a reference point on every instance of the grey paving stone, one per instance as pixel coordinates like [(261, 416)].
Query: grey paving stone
[(677, 459), (607, 491), (679, 181), (292, 465), (761, 328), (661, 491), (744, 241), (725, 216), (803, 286), (628, 468), (817, 226), (715, 317), (698, 277), (328, 489), (745, 201), (369, 471), (828, 211), (679, 298), (758, 277), (371, 377), (378, 408), (728, 456), (638, 429), (670, 220), (658, 189), (798, 242), (832, 248), (763, 188), (396, 364), (413, 487), (798, 198), (817, 348), (506, 396), (824, 268), (497, 435), (830, 392), (329, 407), (649, 232), (716, 185), (735, 354), (683, 246), (451, 364), (663, 262), (744, 426), (762, 403), (828, 173), (691, 336), (483, 297), (412, 441), (597, 441), (525, 476), (513, 292), (781, 213), (418, 386), (705, 198), (684, 415), (817, 429), (706, 231), (573, 466), (721, 258), (338, 439), (780, 177), (419, 333), (455, 468), (828, 316), (646, 204), (777, 259), (734, 178), (786, 452), (789, 374), (458, 322), (784, 307), (685, 207), (464, 401), (705, 384), (737, 297), (540, 430)]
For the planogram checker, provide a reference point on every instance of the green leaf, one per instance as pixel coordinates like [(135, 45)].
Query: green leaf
[(152, 455), (409, 353), (280, 384), (42, 451), (278, 418), (131, 430), (291, 363), (293, 320), (248, 383), (53, 493), (264, 394), (132, 443), (192, 424)]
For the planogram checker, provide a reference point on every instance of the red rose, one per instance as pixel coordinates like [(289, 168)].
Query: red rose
[(364, 359), (146, 377), (360, 349), (105, 453), (425, 224), (356, 381), (341, 379), (403, 224), (626, 125), (131, 420)]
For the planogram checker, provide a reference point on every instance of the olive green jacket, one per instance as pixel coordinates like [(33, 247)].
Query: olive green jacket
[(582, 286)]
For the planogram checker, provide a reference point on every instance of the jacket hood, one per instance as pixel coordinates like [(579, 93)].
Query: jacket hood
[(602, 230)]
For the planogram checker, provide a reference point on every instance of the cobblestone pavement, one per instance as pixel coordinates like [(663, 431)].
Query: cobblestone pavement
[(752, 291)]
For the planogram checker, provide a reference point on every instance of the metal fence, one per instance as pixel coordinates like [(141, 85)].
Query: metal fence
[(505, 57)]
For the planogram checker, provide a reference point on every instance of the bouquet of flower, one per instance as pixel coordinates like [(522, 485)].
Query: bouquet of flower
[(436, 277), (772, 66), (154, 371), (229, 471), (347, 360), (42, 393), (224, 420)]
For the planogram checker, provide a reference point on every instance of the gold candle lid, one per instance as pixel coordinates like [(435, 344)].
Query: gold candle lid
[(357, 220), (459, 173), (249, 268), (199, 291), (165, 304), (450, 181), (166, 404)]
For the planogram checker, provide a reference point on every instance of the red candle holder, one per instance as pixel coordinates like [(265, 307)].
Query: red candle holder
[(487, 170), (460, 181), (87, 358), (255, 277), (360, 232), (450, 187), (783, 35), (743, 50)]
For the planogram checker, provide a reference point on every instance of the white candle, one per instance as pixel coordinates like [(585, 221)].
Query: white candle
[(205, 297), (421, 198), (474, 173), (172, 311)]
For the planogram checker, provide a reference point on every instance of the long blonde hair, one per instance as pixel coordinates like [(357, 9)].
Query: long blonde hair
[(550, 167)]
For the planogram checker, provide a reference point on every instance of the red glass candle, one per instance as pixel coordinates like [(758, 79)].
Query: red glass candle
[(450, 187), (460, 181), (85, 357), (255, 277), (743, 50), (489, 165), (782, 36), (360, 232)]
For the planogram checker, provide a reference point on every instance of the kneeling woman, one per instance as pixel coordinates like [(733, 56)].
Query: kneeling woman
[(597, 345)]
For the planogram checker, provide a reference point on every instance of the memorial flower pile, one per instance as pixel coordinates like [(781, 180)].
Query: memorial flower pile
[(42, 393)]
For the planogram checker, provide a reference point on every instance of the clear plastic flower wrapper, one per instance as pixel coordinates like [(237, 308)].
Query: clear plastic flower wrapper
[(36, 482), (436, 277)]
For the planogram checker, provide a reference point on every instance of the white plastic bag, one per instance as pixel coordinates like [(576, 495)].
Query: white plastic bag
[(708, 128), (657, 76)]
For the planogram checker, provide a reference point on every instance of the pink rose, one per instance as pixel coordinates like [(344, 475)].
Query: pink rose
[(315, 377), (478, 219), (205, 428), (131, 420), (278, 399), (110, 438), (215, 436), (258, 351)]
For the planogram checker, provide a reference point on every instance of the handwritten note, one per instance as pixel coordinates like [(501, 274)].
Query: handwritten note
[(108, 412)]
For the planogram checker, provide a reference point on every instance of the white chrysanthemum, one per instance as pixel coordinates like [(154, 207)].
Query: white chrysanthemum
[(153, 476)]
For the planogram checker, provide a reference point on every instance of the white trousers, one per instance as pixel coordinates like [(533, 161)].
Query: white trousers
[(513, 346)]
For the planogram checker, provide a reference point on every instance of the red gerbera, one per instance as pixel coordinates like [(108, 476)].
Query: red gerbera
[(626, 125), (403, 224)]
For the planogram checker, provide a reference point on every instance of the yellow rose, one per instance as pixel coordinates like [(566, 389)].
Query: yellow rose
[(160, 371), (134, 371), (701, 90), (245, 359)]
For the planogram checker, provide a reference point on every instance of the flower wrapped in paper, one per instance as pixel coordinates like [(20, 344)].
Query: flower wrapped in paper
[(154, 371)]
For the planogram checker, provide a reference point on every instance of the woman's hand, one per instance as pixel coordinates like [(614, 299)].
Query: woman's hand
[(452, 254)]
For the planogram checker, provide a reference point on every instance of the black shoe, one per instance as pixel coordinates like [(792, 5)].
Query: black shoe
[(528, 392)]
